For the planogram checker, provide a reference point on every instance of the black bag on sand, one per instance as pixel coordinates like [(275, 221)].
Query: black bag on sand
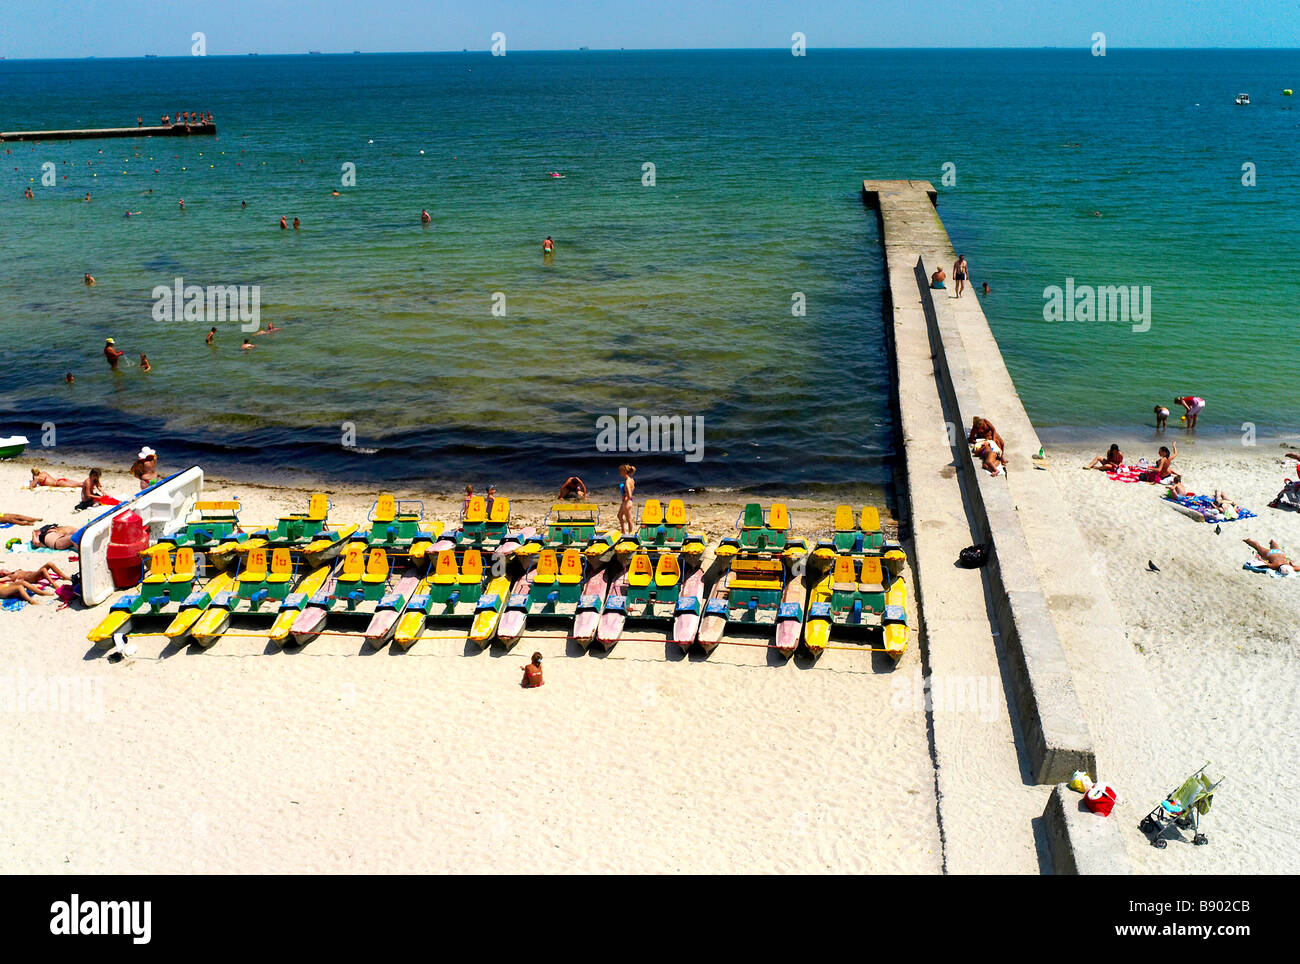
[(972, 557)]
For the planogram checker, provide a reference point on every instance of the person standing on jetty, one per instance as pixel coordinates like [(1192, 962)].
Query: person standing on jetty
[(959, 272), (626, 490), (111, 353)]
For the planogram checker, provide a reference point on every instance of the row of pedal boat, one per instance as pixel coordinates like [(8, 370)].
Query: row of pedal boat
[(398, 578)]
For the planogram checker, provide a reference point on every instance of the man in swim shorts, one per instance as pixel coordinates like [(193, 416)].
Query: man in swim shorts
[(959, 272)]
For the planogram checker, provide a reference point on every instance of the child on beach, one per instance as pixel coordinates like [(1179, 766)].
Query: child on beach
[(469, 494), (92, 493), (1193, 405), (1162, 416), (573, 489), (626, 489), (533, 673)]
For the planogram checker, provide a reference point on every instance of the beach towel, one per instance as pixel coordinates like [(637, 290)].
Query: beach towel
[(1201, 508), (1128, 473), (12, 605), (1254, 565)]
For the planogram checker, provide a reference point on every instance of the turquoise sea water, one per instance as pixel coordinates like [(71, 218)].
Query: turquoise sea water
[(671, 299)]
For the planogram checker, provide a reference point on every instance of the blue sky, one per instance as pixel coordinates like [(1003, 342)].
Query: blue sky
[(131, 28)]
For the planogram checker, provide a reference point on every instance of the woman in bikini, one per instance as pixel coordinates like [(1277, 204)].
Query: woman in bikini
[(1113, 459), (49, 572), (53, 537), (145, 467), (40, 477), (1274, 556), (14, 519), (22, 590), (626, 490), (1162, 468)]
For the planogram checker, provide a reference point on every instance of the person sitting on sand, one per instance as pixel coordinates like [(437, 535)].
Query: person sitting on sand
[(533, 673), (53, 537), (987, 445), (1162, 470), (16, 519), (145, 467), (1274, 556), (1193, 404), (91, 491), (937, 279), (41, 477), (573, 489), (1112, 460), (1162, 416)]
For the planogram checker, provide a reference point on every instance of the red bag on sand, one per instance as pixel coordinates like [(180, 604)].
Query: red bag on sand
[(1101, 799)]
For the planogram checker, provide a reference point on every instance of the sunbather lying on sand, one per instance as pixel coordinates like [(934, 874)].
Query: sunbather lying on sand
[(14, 519), (987, 445), (53, 537), (48, 571), (1113, 459), (1274, 557), (22, 590), (40, 478)]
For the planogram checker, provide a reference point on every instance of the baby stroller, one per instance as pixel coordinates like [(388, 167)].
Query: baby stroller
[(1288, 498), (1183, 810)]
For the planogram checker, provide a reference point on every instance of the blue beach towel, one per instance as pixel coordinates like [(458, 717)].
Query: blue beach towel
[(1202, 507), (12, 605), (1254, 565)]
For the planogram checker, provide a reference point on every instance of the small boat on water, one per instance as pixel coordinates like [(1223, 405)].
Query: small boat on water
[(12, 446), (1243, 100)]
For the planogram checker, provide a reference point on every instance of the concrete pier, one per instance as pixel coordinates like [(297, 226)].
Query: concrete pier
[(171, 130), (1037, 617)]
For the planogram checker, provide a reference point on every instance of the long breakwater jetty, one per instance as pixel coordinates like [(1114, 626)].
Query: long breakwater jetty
[(1037, 616), (85, 134)]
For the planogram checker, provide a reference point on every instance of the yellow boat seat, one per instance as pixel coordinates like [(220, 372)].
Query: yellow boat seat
[(872, 580), (500, 510), (160, 565), (843, 518), (183, 567), (281, 566), (755, 574), (444, 570), (385, 508), (476, 511), (376, 567), (845, 578), (225, 507), (652, 513), (254, 567), (640, 572), (353, 563), (571, 567), (668, 572), (676, 513), (870, 519), (471, 567), (778, 518), (318, 507), (548, 567)]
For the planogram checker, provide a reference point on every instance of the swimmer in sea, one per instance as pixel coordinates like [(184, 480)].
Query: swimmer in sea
[(985, 289), (425, 216), (89, 280), (212, 334), (247, 345), (284, 223), (296, 224), (111, 353), (181, 202), (70, 379), (548, 246), (144, 364)]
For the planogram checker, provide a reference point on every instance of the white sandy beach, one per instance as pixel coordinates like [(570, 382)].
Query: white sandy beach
[(245, 759)]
